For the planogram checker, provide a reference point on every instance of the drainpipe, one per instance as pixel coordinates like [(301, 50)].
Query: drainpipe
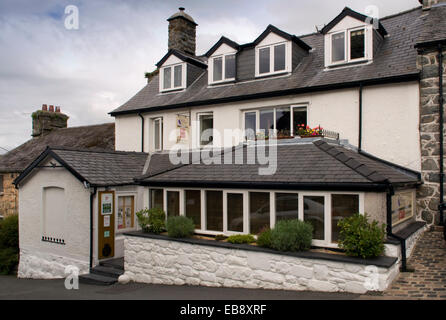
[(92, 194), (441, 207), (142, 132), (360, 118), (390, 193)]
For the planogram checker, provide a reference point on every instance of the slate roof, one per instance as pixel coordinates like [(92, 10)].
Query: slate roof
[(96, 137), (98, 168), (395, 60), (319, 165), (433, 26)]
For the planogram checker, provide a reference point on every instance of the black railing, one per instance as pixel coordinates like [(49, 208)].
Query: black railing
[(53, 240)]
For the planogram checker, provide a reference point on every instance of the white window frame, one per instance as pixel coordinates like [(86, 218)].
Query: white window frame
[(223, 76), (271, 59), (172, 78), (347, 46), (135, 221), (160, 133), (199, 114)]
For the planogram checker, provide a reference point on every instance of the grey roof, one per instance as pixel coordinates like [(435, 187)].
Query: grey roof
[(394, 59), (96, 137), (300, 164), (183, 15), (98, 168), (433, 26)]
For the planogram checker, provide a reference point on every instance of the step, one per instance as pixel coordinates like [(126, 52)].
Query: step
[(113, 263), (97, 279), (107, 271)]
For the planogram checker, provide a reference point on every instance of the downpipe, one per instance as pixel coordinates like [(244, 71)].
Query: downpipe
[(442, 205), (92, 195), (142, 131)]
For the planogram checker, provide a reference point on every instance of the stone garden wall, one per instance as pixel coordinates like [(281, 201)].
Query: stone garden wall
[(162, 261), (9, 203)]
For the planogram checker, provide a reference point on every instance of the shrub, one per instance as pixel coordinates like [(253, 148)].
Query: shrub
[(220, 237), (9, 244), (360, 238), (264, 238), (292, 235), (152, 221), (241, 238), (180, 227)]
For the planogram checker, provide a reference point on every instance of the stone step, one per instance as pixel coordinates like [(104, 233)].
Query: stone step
[(107, 271), (113, 263), (97, 279)]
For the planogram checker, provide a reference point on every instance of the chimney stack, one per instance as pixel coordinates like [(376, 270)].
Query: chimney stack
[(427, 4), (46, 120), (182, 32)]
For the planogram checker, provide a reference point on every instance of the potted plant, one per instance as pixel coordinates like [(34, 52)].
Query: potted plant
[(308, 132)]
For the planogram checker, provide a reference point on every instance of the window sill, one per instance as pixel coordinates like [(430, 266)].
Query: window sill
[(274, 74), (349, 63), (215, 84), (172, 90)]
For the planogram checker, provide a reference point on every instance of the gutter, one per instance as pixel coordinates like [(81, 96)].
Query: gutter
[(92, 195), (142, 132), (389, 194)]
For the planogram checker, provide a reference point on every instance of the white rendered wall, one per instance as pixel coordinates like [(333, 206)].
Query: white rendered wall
[(40, 259)]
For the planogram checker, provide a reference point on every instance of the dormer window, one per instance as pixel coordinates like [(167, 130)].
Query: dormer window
[(353, 44), (173, 77), (273, 59), (223, 68)]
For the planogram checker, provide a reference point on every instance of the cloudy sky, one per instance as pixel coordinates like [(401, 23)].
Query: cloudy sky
[(93, 70)]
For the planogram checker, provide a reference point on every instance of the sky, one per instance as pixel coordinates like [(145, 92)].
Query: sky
[(91, 70)]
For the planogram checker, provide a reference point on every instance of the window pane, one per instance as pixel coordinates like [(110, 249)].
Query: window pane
[(206, 129), (314, 213), (266, 121), (299, 118), (167, 78), (357, 44), (338, 47), (128, 212), (264, 60), (157, 134), (283, 121), (156, 198), (218, 69), (287, 206), (214, 210), (342, 206), (235, 212), (193, 206), (230, 66), (173, 203), (250, 125), (258, 211), (178, 76), (121, 213), (279, 57)]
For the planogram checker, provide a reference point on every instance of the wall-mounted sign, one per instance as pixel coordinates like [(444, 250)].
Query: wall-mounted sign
[(106, 234), (183, 128), (107, 221), (402, 206), (106, 203), (106, 224)]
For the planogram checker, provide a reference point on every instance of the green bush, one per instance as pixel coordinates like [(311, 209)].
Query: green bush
[(152, 221), (180, 227), (360, 238), (220, 237), (264, 238), (9, 244), (292, 235), (241, 238)]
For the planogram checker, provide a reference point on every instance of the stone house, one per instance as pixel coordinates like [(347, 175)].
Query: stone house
[(193, 138), (49, 128)]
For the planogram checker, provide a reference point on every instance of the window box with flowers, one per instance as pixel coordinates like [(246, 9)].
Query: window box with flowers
[(308, 132)]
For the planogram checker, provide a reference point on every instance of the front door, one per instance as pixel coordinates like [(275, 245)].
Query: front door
[(106, 224)]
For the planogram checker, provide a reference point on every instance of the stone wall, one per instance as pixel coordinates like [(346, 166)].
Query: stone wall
[(9, 200), (182, 35), (428, 196), (168, 262)]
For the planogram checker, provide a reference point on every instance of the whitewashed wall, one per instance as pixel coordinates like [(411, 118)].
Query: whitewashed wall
[(390, 120)]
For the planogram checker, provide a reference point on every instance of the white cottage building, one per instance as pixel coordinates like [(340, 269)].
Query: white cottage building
[(373, 86)]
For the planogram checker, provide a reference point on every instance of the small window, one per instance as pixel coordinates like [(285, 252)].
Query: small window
[(157, 198), (299, 117), (223, 68), (214, 211), (206, 123), (230, 66), (264, 60), (178, 76), (338, 47), (266, 121), (167, 78), (287, 206), (342, 206), (158, 133), (283, 122), (173, 203), (218, 69), (250, 125), (171, 77), (259, 211), (279, 57), (357, 44), (314, 213), (235, 212), (126, 212), (193, 206)]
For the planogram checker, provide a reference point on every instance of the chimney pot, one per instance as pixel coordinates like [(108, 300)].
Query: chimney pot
[(51, 108), (44, 107), (181, 8), (57, 109)]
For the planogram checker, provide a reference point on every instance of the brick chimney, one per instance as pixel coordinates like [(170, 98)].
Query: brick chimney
[(427, 4), (182, 32), (48, 119)]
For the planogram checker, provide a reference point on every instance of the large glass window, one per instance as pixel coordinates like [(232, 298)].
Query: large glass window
[(126, 208), (287, 206), (206, 122), (214, 210), (158, 133), (279, 57), (167, 78), (299, 117), (338, 47), (266, 121), (193, 206), (314, 212), (173, 203), (218, 69), (357, 44), (157, 198), (283, 121), (230, 66), (264, 60), (178, 76), (235, 212), (259, 211), (342, 206)]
